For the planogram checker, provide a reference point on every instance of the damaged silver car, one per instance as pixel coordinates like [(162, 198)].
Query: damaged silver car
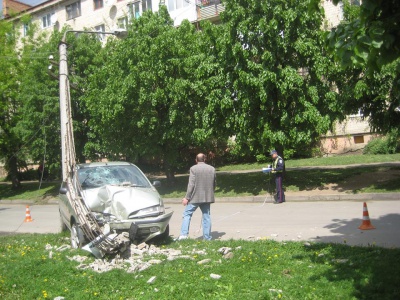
[(120, 198)]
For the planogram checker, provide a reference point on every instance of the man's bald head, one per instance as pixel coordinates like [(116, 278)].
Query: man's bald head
[(201, 157)]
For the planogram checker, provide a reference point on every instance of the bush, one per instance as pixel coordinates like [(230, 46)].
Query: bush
[(383, 145)]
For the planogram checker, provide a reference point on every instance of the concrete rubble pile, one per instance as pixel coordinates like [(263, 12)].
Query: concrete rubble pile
[(140, 257)]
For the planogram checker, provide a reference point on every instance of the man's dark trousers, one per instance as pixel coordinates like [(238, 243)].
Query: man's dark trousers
[(280, 194)]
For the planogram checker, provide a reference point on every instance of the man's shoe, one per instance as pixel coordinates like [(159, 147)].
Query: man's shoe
[(181, 237), (276, 202)]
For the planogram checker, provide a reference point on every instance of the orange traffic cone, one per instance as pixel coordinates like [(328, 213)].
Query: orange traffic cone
[(366, 223), (28, 215)]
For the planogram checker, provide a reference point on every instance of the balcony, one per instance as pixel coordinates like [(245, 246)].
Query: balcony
[(209, 10)]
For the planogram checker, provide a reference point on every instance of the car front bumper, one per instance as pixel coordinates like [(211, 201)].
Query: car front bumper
[(148, 228)]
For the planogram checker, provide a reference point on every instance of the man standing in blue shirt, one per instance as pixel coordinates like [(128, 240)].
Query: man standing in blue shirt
[(278, 166)]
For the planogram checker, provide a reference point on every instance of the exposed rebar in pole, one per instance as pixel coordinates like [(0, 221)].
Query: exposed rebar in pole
[(86, 220)]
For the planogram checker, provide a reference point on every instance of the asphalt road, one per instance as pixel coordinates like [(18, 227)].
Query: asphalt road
[(298, 221)]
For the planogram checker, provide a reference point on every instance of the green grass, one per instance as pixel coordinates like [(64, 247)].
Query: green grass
[(320, 161), (252, 182), (257, 183), (262, 269), (29, 191)]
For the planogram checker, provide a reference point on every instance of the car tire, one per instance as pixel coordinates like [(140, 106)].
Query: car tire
[(77, 236), (62, 224)]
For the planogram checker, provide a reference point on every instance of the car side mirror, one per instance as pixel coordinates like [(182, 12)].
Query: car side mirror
[(63, 190), (156, 183)]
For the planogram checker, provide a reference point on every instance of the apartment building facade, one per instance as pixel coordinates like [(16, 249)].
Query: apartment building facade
[(103, 15)]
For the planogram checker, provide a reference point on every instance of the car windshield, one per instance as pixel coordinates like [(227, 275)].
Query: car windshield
[(121, 175)]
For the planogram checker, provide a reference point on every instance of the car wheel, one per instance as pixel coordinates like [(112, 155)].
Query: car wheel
[(77, 236), (63, 226)]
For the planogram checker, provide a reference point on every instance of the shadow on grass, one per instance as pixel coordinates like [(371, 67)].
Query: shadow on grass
[(374, 271), (256, 183), (30, 191), (231, 184)]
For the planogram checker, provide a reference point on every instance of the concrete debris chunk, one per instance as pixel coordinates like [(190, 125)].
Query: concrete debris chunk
[(142, 246), (340, 260), (155, 261), (229, 255), (77, 258), (204, 261), (224, 250), (63, 248), (275, 290), (59, 298), (152, 280), (48, 247), (215, 276)]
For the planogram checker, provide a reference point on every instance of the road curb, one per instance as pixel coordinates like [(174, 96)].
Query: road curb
[(302, 198), (261, 199)]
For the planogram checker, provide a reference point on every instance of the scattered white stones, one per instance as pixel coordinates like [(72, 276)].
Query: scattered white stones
[(307, 244), (59, 298), (215, 276), (274, 234), (137, 258)]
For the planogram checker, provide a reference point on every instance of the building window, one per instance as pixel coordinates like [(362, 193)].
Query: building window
[(100, 28), (123, 22), (134, 10), (146, 5), (26, 29), (73, 10), (177, 4), (358, 139), (47, 20), (98, 4)]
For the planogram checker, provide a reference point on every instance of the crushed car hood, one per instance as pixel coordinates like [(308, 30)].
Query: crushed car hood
[(120, 201)]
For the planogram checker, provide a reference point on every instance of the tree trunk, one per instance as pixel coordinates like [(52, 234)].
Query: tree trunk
[(169, 172), (13, 172)]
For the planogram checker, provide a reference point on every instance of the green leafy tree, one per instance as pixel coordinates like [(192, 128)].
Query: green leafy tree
[(278, 73), (39, 94), (150, 97), (367, 43), (370, 39), (9, 105)]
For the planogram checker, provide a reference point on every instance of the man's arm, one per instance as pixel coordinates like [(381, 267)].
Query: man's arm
[(190, 188), (279, 165)]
